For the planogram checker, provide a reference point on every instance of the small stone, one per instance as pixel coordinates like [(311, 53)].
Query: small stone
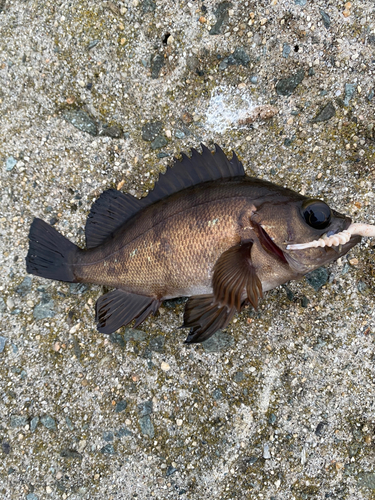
[(81, 120), (68, 453), (219, 341), (48, 422), (157, 343), (157, 62), (266, 451), (217, 394), (32, 496), (320, 428), (272, 419), (148, 6), (353, 262), (179, 134), (18, 421), (123, 432), (317, 278), (10, 163), (254, 79), (349, 91), (2, 343), (222, 17), (44, 310), (170, 470), (108, 449), (239, 376), (92, 44), (147, 427), (159, 142), (286, 86), (179, 422), (25, 287), (301, 3), (34, 423), (78, 288), (10, 303), (165, 366), (134, 334), (326, 19), (114, 131), (145, 408), (151, 130), (108, 436), (48, 490), (325, 114), (367, 480), (5, 446), (286, 50), (121, 406), (3, 306)]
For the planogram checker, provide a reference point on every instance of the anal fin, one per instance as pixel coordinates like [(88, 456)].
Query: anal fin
[(118, 308)]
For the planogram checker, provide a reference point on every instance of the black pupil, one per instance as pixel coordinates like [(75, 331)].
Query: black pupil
[(317, 214)]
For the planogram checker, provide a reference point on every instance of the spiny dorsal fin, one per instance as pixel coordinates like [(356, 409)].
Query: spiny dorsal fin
[(195, 170), (113, 208)]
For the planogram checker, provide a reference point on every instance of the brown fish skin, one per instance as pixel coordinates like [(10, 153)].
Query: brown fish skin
[(221, 242)]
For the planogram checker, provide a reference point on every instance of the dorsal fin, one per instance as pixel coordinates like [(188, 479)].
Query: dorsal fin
[(113, 208), (108, 213), (195, 170)]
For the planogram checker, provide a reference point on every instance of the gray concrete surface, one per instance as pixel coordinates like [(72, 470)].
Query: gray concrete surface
[(281, 405)]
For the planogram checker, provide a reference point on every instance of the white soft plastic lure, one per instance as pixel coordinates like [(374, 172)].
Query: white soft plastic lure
[(336, 239)]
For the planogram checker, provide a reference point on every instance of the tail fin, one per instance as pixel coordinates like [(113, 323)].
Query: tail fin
[(50, 255)]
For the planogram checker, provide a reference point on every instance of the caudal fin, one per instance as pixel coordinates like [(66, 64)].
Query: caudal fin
[(50, 255)]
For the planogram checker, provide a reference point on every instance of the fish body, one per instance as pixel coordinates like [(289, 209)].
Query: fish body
[(206, 231)]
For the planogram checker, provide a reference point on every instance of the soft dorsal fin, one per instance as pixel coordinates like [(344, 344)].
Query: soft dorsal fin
[(108, 213), (113, 208)]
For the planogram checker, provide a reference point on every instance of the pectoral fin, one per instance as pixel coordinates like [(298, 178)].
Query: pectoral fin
[(118, 308), (235, 274), (235, 283)]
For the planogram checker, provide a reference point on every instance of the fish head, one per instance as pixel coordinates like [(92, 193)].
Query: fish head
[(300, 220)]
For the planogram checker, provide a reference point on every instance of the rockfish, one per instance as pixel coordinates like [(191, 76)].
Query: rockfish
[(206, 231)]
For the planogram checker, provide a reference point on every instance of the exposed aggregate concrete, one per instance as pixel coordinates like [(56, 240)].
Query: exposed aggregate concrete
[(281, 405)]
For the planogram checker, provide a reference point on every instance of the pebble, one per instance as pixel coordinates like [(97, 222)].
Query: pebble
[(370, 95), (2, 305), (114, 131), (325, 114), (145, 408), (239, 57), (25, 287), (349, 91), (108, 449), (146, 425), (170, 470), (254, 79), (2, 343), (179, 134), (219, 341), (44, 310), (286, 50), (78, 288), (121, 406), (133, 334), (326, 19), (317, 278), (81, 120), (123, 432), (32, 496), (68, 453), (367, 479), (151, 130), (34, 423), (48, 422), (159, 142), (302, 3), (157, 343), (272, 419), (18, 421), (165, 366), (148, 6), (157, 62), (179, 422), (10, 163), (286, 86), (108, 436), (222, 17), (92, 44), (10, 303), (266, 451), (239, 376)]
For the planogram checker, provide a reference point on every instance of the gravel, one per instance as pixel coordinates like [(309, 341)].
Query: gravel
[(280, 404)]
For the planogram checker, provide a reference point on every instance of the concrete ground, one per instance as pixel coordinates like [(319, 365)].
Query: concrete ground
[(96, 95)]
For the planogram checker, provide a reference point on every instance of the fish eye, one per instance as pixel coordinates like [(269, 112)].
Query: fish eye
[(316, 213)]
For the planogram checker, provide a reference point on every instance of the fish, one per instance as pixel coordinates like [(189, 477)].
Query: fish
[(207, 231)]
